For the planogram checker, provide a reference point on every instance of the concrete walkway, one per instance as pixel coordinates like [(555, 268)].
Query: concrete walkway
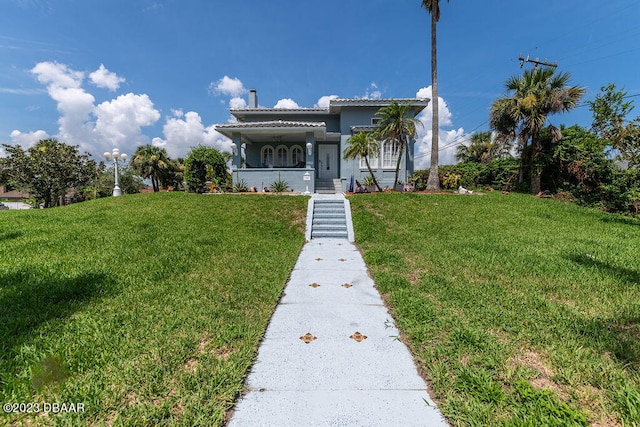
[(330, 356)]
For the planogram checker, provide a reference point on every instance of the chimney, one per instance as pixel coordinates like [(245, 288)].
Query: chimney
[(253, 99)]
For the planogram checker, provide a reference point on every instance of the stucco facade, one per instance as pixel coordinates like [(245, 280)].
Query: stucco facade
[(305, 146)]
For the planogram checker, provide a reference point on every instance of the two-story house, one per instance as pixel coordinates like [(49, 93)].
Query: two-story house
[(305, 146)]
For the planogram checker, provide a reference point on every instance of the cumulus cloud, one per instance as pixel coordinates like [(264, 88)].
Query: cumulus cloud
[(183, 131), (323, 102), (114, 123), (237, 102), (29, 138), (448, 140), (286, 103), (105, 79), (120, 120), (228, 86), (57, 75)]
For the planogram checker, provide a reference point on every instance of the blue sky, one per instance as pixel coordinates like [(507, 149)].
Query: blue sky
[(120, 73)]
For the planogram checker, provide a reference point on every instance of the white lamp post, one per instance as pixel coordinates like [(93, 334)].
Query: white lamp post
[(115, 155)]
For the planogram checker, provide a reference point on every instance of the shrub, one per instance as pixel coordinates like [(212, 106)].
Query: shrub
[(451, 180), (279, 186), (205, 164), (240, 186)]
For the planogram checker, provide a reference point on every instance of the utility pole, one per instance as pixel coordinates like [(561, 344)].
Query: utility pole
[(536, 62)]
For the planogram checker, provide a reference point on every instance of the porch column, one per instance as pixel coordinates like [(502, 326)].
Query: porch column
[(309, 153), (237, 150)]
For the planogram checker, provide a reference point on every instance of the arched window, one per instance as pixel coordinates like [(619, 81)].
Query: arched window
[(267, 156), (282, 155), (297, 155)]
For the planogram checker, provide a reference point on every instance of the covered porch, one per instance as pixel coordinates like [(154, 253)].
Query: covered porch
[(269, 151)]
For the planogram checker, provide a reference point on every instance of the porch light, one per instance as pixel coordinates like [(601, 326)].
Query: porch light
[(234, 148), (309, 148)]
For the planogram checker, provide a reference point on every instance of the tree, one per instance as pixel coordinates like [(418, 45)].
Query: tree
[(152, 162), (205, 164), (433, 7), (610, 123), (484, 147), (523, 112), (395, 126), (363, 145), (47, 170)]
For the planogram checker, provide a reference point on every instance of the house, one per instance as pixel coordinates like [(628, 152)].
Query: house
[(304, 146)]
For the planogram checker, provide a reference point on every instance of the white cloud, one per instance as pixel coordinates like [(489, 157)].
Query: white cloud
[(120, 120), (323, 102), (448, 139), (28, 139), (95, 129), (58, 75), (286, 103), (228, 86), (237, 102), (184, 131), (105, 79), (372, 92)]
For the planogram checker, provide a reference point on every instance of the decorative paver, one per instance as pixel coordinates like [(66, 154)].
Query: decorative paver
[(331, 354)]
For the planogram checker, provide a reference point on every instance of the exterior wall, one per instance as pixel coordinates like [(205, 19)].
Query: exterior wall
[(261, 178), (362, 117), (331, 120), (356, 116)]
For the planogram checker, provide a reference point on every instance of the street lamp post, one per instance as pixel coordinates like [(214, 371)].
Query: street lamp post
[(115, 155)]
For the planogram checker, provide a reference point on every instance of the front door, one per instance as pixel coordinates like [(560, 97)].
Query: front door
[(327, 161)]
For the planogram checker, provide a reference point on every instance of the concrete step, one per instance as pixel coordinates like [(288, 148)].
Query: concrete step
[(329, 227), (328, 215), (329, 235), (329, 208), (336, 222)]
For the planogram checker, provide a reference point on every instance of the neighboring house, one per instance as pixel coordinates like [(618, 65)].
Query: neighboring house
[(12, 195), (289, 144)]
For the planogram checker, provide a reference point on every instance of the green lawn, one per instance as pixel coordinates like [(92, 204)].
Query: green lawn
[(148, 309), (519, 310)]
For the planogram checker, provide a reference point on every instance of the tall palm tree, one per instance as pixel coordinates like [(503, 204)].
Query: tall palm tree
[(396, 124), (363, 145), (151, 162), (522, 113), (433, 182)]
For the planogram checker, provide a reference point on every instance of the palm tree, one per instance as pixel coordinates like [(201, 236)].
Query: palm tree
[(433, 182), (523, 112), (363, 145), (484, 147), (151, 162), (396, 125)]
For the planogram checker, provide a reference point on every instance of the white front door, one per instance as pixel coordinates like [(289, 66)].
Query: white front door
[(327, 161)]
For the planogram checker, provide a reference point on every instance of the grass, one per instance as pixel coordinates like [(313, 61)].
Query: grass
[(148, 309), (519, 310)]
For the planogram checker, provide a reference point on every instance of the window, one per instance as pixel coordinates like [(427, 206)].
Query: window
[(375, 120), (282, 155), (373, 161), (267, 155), (390, 153), (297, 155)]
